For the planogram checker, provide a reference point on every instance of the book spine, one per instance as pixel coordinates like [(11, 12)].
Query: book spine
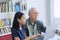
[(10, 6), (4, 30), (3, 7), (0, 31), (0, 23), (0, 7), (6, 7)]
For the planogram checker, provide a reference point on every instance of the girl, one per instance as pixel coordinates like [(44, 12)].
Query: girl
[(18, 30)]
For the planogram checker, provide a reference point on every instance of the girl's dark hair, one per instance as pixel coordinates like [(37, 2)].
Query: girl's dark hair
[(15, 22)]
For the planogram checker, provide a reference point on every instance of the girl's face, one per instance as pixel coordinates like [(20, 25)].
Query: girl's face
[(22, 20)]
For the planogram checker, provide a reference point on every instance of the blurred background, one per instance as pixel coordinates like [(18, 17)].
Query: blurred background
[(49, 11)]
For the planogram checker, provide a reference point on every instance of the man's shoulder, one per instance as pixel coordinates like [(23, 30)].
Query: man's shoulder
[(27, 19), (39, 22)]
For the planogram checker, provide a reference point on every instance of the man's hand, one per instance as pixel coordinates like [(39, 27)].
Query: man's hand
[(33, 36), (58, 32)]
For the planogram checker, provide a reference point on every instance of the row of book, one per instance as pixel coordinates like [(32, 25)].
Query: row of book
[(3, 7), (12, 6), (5, 22), (5, 30)]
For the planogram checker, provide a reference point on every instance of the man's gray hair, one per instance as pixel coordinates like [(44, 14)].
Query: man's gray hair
[(31, 9)]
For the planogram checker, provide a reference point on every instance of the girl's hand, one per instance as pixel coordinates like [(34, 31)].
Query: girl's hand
[(34, 36)]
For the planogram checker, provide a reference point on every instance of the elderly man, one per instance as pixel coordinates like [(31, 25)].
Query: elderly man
[(34, 27)]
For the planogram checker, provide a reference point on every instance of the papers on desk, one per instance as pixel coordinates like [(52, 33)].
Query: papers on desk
[(39, 38), (56, 37), (50, 32)]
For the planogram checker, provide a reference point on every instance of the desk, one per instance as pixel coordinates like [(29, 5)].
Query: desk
[(56, 37), (38, 38)]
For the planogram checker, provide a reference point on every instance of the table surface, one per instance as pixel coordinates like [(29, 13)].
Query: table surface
[(39, 38), (56, 37)]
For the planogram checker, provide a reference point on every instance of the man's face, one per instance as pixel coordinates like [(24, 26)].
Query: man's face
[(33, 14)]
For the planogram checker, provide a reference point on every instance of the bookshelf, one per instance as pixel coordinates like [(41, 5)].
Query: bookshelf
[(8, 8), (5, 24), (6, 34)]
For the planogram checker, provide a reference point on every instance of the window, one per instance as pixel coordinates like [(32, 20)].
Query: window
[(57, 8)]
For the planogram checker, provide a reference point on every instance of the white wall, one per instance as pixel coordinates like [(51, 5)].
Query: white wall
[(48, 12), (52, 12)]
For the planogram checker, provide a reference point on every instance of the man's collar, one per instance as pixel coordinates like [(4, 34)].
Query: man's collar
[(29, 21)]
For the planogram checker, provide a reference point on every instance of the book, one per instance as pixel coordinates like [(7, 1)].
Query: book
[(4, 30), (0, 31), (17, 6), (0, 23), (24, 7), (0, 7), (3, 7), (4, 22), (7, 7), (10, 6), (9, 21), (9, 29)]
